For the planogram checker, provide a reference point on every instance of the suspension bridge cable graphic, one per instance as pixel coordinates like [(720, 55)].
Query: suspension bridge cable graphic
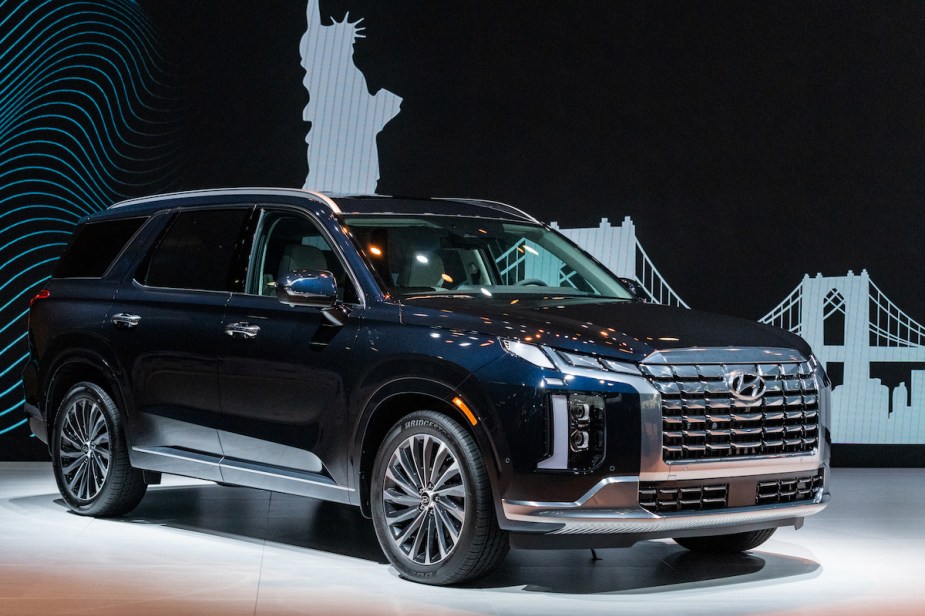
[(87, 117)]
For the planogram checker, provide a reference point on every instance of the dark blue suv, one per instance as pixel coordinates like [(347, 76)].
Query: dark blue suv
[(466, 375)]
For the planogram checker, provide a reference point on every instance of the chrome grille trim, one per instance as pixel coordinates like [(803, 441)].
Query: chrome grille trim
[(703, 421), (789, 490), (660, 498)]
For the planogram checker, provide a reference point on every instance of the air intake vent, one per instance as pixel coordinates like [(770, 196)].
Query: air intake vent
[(661, 498), (788, 490)]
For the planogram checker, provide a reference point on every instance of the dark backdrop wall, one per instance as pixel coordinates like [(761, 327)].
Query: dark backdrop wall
[(750, 143)]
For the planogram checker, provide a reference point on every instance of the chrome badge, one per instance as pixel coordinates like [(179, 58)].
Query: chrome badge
[(746, 386)]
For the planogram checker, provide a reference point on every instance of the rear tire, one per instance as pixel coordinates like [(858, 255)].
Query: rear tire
[(90, 457), (726, 544), (432, 504)]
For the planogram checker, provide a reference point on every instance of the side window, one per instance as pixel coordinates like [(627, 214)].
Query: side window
[(287, 241), (95, 246), (197, 252)]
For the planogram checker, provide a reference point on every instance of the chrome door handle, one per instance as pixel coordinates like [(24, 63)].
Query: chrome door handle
[(242, 330), (125, 320)]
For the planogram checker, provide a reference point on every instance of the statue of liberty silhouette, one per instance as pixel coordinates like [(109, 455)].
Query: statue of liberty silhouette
[(345, 118)]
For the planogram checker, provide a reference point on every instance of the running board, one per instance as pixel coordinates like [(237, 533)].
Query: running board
[(249, 474)]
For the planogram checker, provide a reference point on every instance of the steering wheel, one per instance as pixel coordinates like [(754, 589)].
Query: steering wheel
[(530, 281)]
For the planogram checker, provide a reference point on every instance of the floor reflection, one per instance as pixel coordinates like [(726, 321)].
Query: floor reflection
[(261, 516), (303, 523)]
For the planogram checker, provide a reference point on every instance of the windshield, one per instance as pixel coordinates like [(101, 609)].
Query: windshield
[(446, 254)]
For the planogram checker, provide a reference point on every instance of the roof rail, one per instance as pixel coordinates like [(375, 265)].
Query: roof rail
[(495, 205), (323, 198)]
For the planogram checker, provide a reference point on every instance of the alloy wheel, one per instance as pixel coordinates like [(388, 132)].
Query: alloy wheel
[(84, 450), (424, 494)]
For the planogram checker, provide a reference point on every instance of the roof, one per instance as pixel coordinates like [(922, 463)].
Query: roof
[(338, 203)]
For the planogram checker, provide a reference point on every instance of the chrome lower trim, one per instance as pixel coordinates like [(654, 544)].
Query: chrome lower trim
[(176, 454), (739, 517), (229, 466), (638, 521), (282, 474)]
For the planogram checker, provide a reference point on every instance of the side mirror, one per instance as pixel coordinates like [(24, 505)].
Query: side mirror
[(314, 288), (635, 289)]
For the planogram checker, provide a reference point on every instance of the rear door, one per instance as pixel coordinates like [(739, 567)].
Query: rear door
[(165, 325)]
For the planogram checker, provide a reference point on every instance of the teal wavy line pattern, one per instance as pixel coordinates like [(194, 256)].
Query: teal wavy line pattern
[(88, 116)]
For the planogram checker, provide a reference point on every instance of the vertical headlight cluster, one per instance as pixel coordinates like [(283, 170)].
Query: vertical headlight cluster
[(577, 433), (586, 430)]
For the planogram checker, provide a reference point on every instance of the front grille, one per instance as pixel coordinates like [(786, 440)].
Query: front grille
[(702, 420), (661, 498), (788, 490)]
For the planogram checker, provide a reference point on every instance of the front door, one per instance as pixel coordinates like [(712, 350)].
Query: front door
[(282, 375)]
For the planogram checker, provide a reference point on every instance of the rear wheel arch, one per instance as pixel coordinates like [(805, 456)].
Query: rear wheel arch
[(74, 367)]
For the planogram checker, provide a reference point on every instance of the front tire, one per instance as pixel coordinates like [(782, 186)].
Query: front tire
[(432, 503), (90, 456), (726, 544)]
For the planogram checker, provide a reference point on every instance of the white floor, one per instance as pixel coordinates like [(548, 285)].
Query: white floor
[(198, 548)]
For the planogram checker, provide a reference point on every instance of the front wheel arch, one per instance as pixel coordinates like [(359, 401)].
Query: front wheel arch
[(400, 398)]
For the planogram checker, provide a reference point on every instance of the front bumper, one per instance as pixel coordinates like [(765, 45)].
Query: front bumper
[(609, 515)]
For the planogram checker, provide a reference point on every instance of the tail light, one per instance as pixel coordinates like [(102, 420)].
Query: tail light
[(43, 294)]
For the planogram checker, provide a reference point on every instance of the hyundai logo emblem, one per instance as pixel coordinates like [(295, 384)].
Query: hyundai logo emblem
[(746, 386)]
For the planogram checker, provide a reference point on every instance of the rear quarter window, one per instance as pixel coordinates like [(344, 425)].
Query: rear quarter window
[(95, 246)]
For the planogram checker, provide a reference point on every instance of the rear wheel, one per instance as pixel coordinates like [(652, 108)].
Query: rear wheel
[(726, 544), (432, 503), (90, 457)]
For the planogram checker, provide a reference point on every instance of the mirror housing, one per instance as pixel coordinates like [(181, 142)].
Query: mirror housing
[(313, 288), (636, 289)]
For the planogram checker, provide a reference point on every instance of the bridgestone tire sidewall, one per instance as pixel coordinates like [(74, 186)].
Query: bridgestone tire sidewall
[(445, 571)]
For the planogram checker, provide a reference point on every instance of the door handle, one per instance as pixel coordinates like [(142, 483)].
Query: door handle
[(125, 320), (242, 330)]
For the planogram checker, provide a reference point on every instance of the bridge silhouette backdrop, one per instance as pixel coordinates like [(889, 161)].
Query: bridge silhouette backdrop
[(874, 352)]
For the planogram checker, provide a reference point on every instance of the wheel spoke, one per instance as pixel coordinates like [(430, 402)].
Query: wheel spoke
[(69, 441), (429, 546), (399, 517), (70, 467), (404, 500), (402, 483), (412, 530), (456, 491), (99, 424), (451, 471), (417, 455), (408, 467), (442, 528), (99, 474), (439, 458), (83, 488), (83, 420), (454, 509)]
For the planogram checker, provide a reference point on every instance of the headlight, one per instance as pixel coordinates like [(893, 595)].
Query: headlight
[(568, 362), (531, 353)]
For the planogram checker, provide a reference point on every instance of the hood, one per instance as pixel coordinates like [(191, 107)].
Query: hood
[(615, 328)]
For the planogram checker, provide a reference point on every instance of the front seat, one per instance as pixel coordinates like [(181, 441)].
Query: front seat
[(301, 257), (423, 269)]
